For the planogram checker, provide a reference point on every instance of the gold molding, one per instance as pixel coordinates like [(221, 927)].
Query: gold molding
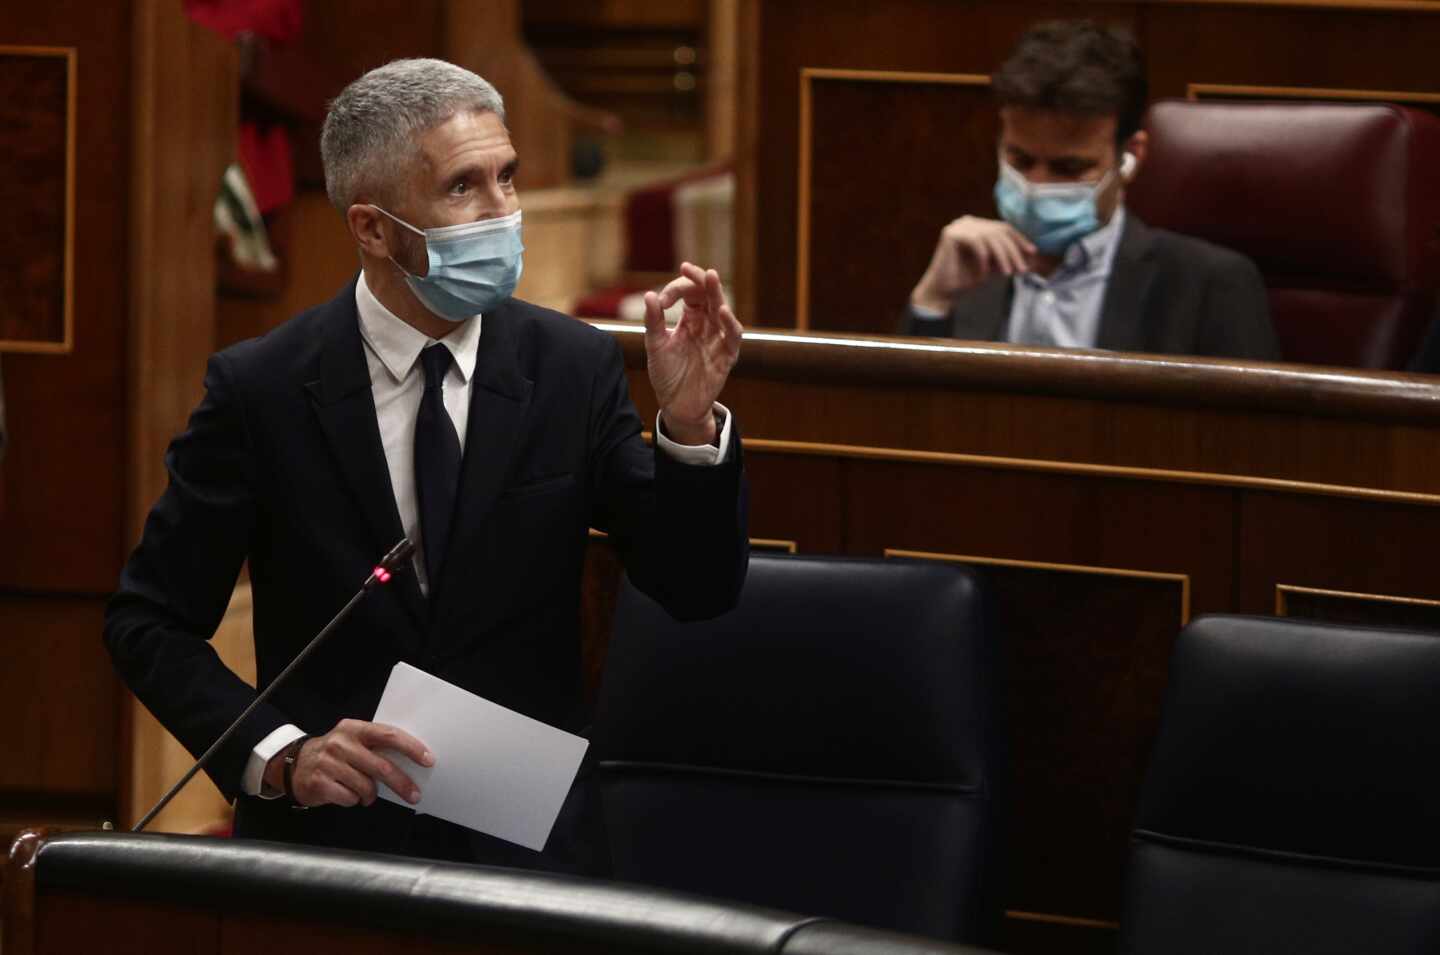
[(763, 543), (67, 345), (1357, 6), (1044, 466), (808, 75), (1197, 91), (1182, 579), (1068, 920), (1282, 606), (895, 76)]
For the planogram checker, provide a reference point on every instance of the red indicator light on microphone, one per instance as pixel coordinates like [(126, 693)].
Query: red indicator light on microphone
[(382, 575)]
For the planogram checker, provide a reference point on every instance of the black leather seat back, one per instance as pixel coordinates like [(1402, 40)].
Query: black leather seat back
[(825, 747), (1290, 801), (391, 903)]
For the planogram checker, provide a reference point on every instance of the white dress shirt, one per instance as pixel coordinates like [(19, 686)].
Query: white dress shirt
[(1064, 309), (392, 352)]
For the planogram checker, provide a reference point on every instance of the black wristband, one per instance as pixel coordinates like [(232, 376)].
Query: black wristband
[(291, 756)]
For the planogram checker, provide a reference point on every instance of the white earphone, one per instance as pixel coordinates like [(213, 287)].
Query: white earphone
[(1127, 166)]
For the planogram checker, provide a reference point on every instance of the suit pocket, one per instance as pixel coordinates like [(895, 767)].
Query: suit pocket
[(537, 538), (542, 486)]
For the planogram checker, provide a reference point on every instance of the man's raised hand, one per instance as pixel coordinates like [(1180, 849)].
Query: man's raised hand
[(969, 251), (688, 365)]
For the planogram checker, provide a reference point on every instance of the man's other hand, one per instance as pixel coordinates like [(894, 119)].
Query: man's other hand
[(970, 251), (688, 365), (342, 767)]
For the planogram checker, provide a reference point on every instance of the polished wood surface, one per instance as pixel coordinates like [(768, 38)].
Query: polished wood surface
[(876, 187), (1106, 499), (186, 100)]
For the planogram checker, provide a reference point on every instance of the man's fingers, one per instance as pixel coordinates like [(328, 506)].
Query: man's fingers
[(356, 782), (385, 736), (980, 253), (378, 767), (654, 315), (673, 291), (1020, 249), (1025, 245), (1014, 260), (731, 327), (334, 794), (693, 272), (714, 292), (690, 286)]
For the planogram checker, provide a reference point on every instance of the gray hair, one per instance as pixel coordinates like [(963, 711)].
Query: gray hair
[(370, 132)]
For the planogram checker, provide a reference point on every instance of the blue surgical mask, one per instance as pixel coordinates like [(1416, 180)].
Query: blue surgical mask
[(1051, 215), (473, 266)]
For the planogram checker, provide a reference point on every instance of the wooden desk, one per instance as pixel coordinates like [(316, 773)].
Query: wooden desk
[(1111, 498)]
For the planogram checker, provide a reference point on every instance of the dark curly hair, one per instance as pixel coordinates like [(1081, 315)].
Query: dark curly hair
[(1077, 66)]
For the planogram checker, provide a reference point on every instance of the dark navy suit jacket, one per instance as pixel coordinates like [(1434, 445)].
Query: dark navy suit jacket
[(282, 467)]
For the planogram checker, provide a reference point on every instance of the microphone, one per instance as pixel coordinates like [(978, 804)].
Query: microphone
[(390, 565)]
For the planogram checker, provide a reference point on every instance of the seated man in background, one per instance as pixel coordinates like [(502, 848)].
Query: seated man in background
[(1068, 266)]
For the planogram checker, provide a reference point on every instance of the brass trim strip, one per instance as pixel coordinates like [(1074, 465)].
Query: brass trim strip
[(764, 543), (67, 343), (1070, 920), (808, 75), (1282, 605), (895, 76), (1283, 485), (1359, 6), (1182, 579), (1195, 91)]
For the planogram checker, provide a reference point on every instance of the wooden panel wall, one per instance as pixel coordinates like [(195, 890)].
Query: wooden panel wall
[(920, 160), (1104, 512), (37, 180), (882, 156), (63, 518), (154, 128)]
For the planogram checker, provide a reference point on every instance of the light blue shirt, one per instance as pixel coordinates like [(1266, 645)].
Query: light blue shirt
[(1064, 310)]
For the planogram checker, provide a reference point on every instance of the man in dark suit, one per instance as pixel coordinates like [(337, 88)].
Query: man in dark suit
[(423, 401), (1066, 265)]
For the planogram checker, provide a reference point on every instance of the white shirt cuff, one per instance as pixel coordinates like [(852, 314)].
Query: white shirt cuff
[(701, 454), (926, 314), (260, 757)]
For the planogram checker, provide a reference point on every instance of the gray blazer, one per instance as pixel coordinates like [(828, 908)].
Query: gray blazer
[(1168, 294)]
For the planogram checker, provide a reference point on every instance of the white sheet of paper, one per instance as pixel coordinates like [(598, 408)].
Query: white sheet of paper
[(495, 770)]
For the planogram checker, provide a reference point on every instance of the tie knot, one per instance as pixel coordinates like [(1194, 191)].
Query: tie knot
[(435, 359)]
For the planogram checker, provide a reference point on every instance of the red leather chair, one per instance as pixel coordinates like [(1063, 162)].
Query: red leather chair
[(1337, 203)]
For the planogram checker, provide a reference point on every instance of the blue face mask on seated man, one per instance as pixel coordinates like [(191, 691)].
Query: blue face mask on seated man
[(473, 266), (1052, 215)]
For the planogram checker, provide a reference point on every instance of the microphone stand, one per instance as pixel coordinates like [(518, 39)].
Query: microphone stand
[(391, 564)]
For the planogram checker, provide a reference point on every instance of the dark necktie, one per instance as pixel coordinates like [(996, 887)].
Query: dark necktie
[(437, 463)]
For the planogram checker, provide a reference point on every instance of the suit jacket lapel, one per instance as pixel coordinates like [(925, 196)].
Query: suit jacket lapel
[(345, 407), (499, 401), (1122, 315), (982, 313)]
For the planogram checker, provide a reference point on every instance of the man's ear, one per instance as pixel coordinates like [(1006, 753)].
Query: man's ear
[(1138, 146), (367, 229)]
